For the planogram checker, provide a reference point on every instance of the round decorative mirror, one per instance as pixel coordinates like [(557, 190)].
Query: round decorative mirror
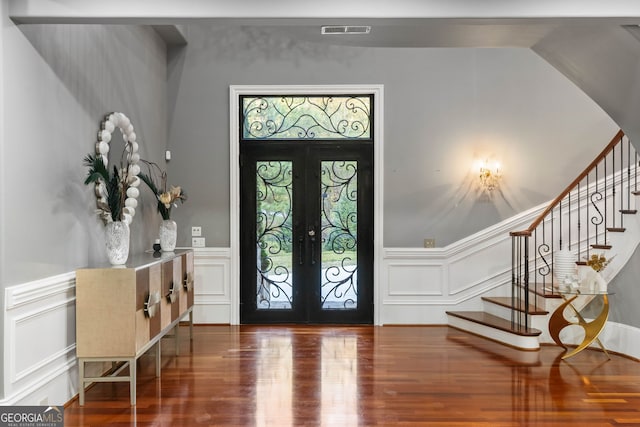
[(116, 191)]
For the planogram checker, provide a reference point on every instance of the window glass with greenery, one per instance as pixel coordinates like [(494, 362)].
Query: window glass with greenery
[(342, 117)]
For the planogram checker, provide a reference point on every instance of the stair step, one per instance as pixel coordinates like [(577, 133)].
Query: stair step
[(508, 354), (628, 211), (581, 263), (544, 290), (616, 229), (636, 193), (507, 301), (596, 246), (496, 322)]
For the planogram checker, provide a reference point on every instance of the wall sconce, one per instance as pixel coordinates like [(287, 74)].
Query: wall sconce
[(490, 176)]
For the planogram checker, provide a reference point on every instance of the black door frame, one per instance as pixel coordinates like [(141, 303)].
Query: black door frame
[(226, 301), (308, 155)]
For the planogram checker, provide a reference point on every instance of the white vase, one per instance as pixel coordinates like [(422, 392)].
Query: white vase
[(593, 282), (564, 265), (117, 242), (168, 235)]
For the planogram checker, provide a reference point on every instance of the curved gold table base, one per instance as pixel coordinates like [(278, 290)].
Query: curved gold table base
[(557, 322)]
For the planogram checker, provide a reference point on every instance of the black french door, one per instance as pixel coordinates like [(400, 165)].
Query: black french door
[(306, 232)]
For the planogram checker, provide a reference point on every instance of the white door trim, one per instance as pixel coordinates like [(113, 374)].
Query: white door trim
[(234, 172)]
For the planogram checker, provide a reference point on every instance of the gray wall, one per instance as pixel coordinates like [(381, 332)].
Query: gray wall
[(5, 23), (624, 301), (444, 109), (605, 63), (59, 82)]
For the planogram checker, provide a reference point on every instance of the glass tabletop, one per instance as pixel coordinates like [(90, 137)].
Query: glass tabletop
[(583, 292)]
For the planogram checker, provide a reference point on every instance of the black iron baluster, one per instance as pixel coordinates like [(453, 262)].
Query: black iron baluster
[(551, 251), (535, 259), (613, 187), (621, 180), (604, 205), (588, 203), (635, 170), (560, 224), (526, 280), (628, 174), (596, 196), (514, 273), (579, 222), (569, 220)]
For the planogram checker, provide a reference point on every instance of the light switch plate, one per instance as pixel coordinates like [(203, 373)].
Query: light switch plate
[(197, 242)]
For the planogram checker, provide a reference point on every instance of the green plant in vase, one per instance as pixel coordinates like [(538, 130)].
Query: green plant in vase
[(113, 190)]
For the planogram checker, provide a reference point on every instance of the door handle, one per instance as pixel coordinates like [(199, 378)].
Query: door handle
[(312, 239), (301, 250)]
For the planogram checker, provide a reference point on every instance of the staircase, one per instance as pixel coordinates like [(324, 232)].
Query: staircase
[(588, 218)]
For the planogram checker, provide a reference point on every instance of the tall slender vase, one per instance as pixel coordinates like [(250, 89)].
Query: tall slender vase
[(168, 235), (564, 266), (117, 242)]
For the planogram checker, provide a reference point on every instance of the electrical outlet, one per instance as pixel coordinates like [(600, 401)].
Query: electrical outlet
[(429, 243), (197, 242), (196, 231)]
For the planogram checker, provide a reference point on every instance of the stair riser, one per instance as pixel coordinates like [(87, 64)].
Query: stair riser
[(499, 310), (534, 298), (542, 324), (517, 341)]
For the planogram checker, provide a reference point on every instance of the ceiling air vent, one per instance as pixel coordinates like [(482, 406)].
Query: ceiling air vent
[(346, 29)]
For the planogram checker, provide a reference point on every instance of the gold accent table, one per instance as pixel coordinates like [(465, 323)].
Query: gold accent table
[(557, 322)]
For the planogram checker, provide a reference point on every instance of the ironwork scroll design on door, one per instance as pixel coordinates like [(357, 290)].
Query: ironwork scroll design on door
[(339, 224), (274, 289)]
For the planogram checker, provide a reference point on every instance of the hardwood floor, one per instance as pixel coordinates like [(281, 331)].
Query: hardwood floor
[(364, 375)]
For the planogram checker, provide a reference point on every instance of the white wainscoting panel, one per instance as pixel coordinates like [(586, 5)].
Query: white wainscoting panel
[(623, 339), (39, 342), (419, 285), (212, 285), (407, 278), (483, 264), (40, 331)]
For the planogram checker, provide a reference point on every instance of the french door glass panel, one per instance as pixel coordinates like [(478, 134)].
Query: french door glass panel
[(274, 257), (339, 223)]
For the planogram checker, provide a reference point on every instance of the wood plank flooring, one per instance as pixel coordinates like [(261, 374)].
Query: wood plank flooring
[(365, 376)]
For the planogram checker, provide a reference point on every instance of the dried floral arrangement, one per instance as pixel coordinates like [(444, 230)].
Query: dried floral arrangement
[(598, 262), (156, 180)]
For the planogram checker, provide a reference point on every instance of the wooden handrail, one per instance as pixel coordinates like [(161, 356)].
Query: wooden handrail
[(571, 186)]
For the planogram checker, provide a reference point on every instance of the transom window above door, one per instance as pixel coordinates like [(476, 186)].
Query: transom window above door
[(339, 117)]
